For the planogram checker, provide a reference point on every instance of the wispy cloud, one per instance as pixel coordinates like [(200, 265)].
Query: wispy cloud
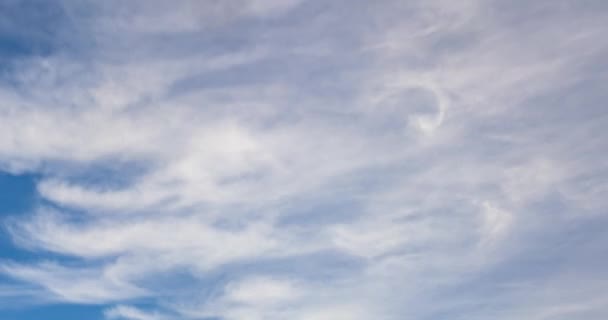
[(307, 160)]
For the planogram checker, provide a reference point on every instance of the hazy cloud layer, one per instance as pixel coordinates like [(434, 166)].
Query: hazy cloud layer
[(312, 160)]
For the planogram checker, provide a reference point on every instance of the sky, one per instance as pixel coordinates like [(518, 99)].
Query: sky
[(303, 160)]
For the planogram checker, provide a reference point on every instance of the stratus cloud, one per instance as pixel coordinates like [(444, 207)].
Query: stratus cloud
[(416, 140)]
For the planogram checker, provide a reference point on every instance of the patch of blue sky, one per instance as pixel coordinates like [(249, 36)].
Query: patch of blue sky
[(54, 311)]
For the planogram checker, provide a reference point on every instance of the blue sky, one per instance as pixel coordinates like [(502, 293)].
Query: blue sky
[(303, 160)]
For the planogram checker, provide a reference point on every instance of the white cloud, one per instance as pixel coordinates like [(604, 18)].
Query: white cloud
[(83, 285), (495, 223), (131, 313), (261, 291), (409, 151), (205, 245)]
